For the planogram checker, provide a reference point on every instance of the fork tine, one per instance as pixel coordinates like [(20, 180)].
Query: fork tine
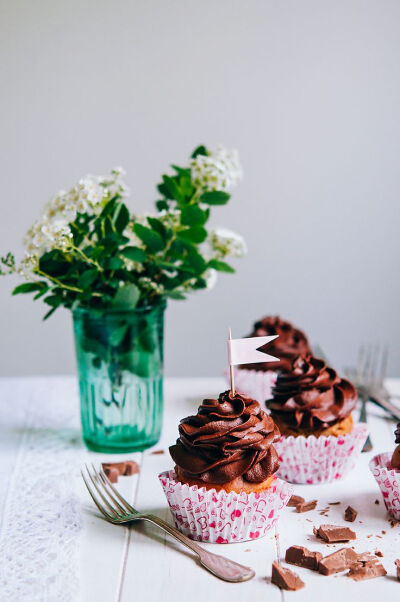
[(107, 492), (105, 501), (116, 492), (99, 506)]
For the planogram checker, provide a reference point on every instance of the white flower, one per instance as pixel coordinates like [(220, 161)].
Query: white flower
[(211, 277), (225, 242), (47, 235), (149, 285), (27, 266), (219, 170)]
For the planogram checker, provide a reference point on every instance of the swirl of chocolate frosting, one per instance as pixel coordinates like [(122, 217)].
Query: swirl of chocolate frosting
[(312, 395), (397, 433), (229, 437), (290, 343)]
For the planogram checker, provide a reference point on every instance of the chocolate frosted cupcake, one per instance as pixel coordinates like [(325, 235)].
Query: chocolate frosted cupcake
[(312, 399), (386, 470), (227, 445), (223, 487), (312, 406), (258, 379), (290, 343)]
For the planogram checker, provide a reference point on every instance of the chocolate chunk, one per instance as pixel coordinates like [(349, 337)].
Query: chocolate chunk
[(378, 553), (338, 561), (111, 473), (113, 470), (295, 500), (377, 502), (285, 578), (306, 506), (397, 563), (302, 557), (157, 452), (350, 514), (366, 570), (131, 468), (334, 533), (334, 503)]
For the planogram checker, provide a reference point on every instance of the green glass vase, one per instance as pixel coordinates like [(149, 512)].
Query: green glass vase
[(120, 369)]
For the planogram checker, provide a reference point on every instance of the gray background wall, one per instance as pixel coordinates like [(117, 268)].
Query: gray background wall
[(308, 91)]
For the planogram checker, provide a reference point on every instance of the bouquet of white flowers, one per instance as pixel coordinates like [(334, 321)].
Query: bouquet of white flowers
[(88, 250)]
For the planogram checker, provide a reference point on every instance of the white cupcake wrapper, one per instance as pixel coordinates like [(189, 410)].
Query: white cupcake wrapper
[(220, 517), (388, 480), (311, 460), (254, 383)]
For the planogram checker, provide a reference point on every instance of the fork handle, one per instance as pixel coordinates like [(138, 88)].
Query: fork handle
[(221, 567)]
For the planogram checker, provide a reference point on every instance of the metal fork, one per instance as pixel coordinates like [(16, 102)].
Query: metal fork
[(118, 511), (370, 374)]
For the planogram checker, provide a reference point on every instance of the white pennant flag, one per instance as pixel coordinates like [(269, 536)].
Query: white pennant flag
[(247, 351)]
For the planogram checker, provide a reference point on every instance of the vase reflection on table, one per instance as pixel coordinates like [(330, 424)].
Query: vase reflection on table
[(120, 371)]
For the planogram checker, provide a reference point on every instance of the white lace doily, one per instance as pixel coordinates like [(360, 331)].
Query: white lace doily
[(41, 522)]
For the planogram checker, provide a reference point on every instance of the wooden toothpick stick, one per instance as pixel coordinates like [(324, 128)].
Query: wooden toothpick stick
[(232, 374)]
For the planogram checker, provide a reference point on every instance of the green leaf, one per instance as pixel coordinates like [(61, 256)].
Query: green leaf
[(114, 263), (158, 226), (195, 234), (121, 217), (126, 297), (29, 287), (192, 215), (87, 278), (53, 300), (199, 150), (176, 295), (134, 254), (52, 310), (162, 205), (221, 266), (196, 260), (215, 197), (172, 189), (153, 241)]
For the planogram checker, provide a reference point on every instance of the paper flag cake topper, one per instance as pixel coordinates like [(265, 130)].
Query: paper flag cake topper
[(248, 351)]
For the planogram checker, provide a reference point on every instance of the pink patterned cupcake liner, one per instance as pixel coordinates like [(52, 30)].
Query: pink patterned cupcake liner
[(257, 384), (388, 480), (220, 517), (311, 460)]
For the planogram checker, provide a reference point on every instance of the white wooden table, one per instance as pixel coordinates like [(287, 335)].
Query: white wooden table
[(120, 564)]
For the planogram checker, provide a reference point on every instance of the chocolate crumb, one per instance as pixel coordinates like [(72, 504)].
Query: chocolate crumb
[(306, 506), (350, 514), (334, 503), (383, 532), (157, 452), (378, 553), (302, 557), (397, 563), (376, 502), (334, 533), (295, 500), (285, 578), (248, 550), (337, 561)]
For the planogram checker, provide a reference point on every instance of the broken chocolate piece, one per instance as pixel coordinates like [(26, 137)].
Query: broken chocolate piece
[(295, 500), (306, 506), (113, 470), (302, 557), (338, 561), (350, 514), (285, 578), (378, 553), (397, 563), (334, 533), (111, 473), (131, 467), (157, 452), (366, 570)]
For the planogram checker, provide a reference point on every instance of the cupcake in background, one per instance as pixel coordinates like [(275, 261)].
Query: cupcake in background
[(313, 407), (223, 488), (386, 470), (258, 379)]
